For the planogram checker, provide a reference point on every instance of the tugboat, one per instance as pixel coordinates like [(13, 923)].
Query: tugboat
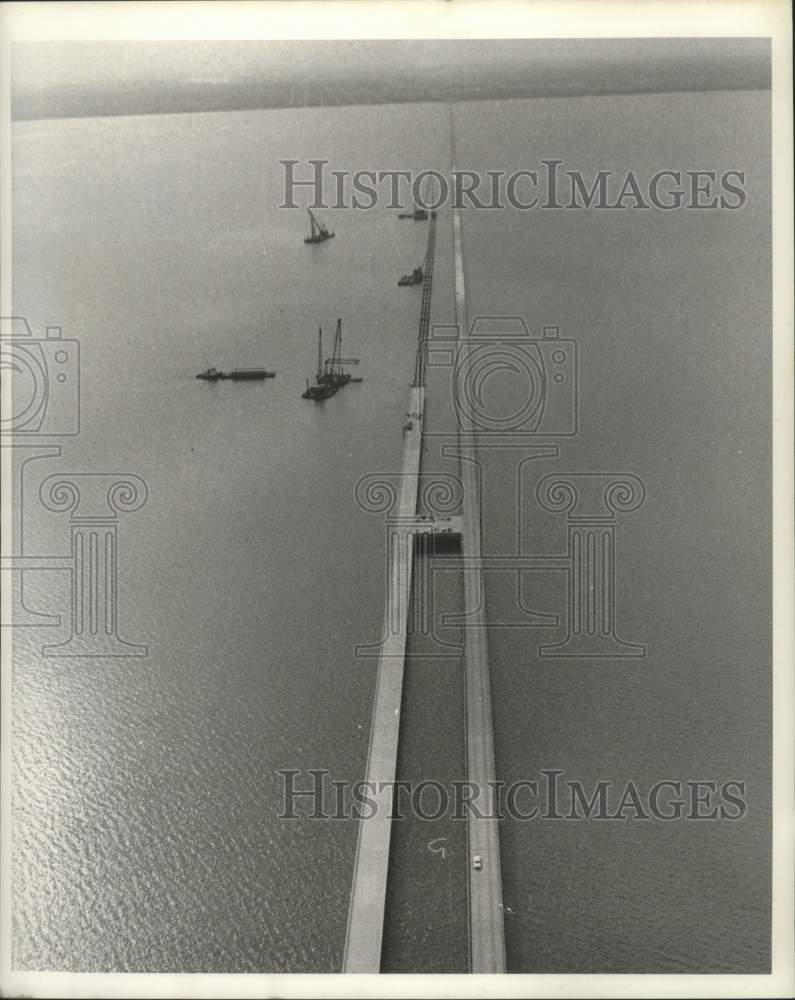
[(317, 231), (418, 215), (415, 278), (236, 375), (331, 376)]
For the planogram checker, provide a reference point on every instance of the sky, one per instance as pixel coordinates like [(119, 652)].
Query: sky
[(52, 79)]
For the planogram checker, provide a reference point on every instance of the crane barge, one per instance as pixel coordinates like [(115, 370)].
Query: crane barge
[(331, 375)]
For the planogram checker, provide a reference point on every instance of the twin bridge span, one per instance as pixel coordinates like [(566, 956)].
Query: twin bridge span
[(591, 502), (368, 893)]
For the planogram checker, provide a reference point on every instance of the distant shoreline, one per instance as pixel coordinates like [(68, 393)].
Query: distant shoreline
[(317, 74), (217, 108)]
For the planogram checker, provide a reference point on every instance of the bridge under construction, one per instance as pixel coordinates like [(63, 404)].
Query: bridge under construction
[(363, 943)]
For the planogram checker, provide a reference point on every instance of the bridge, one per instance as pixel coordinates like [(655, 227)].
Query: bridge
[(363, 943)]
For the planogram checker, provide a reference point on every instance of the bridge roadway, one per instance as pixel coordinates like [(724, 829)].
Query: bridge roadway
[(371, 865), (364, 936), (486, 927), (368, 893)]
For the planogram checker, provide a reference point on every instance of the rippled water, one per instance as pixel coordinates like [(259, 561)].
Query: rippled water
[(145, 794)]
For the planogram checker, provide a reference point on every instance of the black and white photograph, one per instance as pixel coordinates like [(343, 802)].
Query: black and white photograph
[(397, 499)]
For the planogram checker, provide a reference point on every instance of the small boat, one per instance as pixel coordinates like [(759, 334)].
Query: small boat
[(317, 231), (415, 278), (236, 375), (418, 215), (331, 376)]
